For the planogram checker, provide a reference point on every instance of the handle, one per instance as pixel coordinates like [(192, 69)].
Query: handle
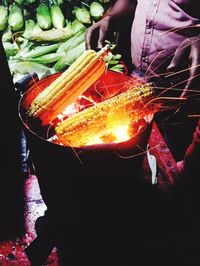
[(25, 82)]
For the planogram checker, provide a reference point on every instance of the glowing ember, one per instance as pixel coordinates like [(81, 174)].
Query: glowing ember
[(121, 133), (110, 121), (114, 109)]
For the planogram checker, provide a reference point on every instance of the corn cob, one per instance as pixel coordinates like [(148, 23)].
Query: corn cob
[(43, 16), (68, 86), (96, 121)]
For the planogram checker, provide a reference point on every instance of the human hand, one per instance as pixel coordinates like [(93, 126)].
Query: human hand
[(187, 55), (96, 34)]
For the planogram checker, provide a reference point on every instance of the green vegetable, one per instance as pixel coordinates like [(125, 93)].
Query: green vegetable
[(60, 2), (43, 16), (96, 10), (7, 34), (41, 50), (3, 17), (24, 49), (113, 62), (23, 68), (112, 59), (69, 57), (82, 14), (118, 68), (72, 42), (53, 35), (77, 26), (29, 27), (15, 18), (10, 49), (117, 57), (58, 19), (36, 29), (46, 59)]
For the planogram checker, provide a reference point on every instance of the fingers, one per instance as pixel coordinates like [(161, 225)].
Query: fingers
[(101, 38), (193, 82), (96, 34), (88, 36)]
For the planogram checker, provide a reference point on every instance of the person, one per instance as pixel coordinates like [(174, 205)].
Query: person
[(164, 41)]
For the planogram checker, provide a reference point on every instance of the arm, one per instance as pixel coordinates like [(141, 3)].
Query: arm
[(122, 13), (187, 55)]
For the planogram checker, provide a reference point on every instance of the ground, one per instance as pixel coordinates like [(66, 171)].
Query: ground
[(12, 250)]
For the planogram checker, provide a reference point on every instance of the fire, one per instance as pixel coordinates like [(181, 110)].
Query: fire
[(118, 125), (113, 110), (114, 135), (121, 133)]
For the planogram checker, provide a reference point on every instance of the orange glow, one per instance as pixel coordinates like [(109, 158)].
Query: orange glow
[(117, 112), (119, 124), (121, 133)]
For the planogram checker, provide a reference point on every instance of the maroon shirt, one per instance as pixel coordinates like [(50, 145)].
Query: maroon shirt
[(158, 28)]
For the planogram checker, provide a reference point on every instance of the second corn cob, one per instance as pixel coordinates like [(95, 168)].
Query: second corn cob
[(96, 121)]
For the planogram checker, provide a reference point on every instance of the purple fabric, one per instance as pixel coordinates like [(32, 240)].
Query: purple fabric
[(158, 28)]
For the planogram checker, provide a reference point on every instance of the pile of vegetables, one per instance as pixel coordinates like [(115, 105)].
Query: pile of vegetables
[(47, 36)]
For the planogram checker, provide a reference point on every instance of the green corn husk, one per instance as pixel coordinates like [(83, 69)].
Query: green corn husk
[(77, 26), (60, 2), (19, 69), (53, 35), (29, 27), (72, 42), (40, 50), (117, 57), (15, 18), (10, 49), (3, 17), (36, 30), (7, 34), (69, 57), (96, 10), (57, 16), (24, 49), (43, 16), (117, 68), (113, 62), (82, 14), (46, 59)]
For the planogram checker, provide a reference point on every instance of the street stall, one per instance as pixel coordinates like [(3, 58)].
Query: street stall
[(90, 130)]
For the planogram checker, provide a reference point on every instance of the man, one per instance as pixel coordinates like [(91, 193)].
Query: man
[(164, 41)]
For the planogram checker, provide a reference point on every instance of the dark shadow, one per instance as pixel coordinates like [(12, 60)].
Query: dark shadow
[(11, 180)]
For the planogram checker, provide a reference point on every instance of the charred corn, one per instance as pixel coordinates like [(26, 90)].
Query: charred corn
[(96, 120), (68, 86)]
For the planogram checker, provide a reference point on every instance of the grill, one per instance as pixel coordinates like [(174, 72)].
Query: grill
[(89, 187)]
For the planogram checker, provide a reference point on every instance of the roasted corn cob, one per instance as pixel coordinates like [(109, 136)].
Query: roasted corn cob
[(96, 121), (68, 86)]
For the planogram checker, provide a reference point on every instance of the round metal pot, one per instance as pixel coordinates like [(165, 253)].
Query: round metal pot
[(89, 171)]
